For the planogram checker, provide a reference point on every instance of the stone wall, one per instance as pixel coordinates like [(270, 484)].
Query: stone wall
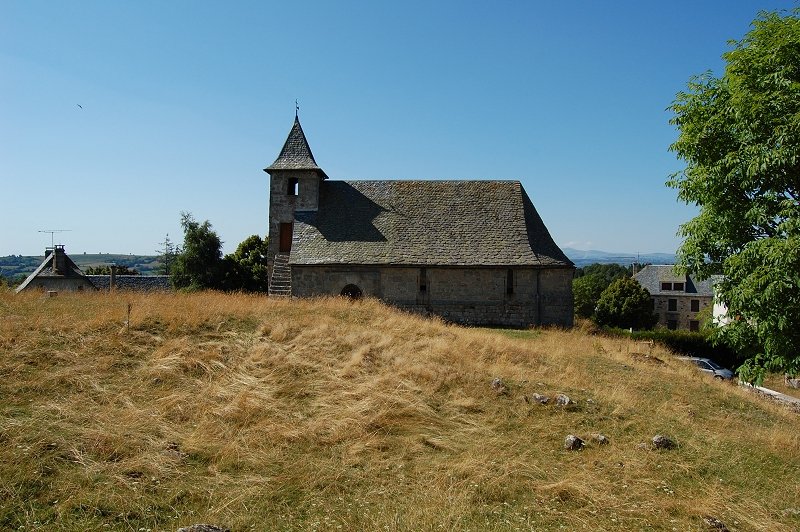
[(59, 284), (282, 206), (473, 296), (683, 314)]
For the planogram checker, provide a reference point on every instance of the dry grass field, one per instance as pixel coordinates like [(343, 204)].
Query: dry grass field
[(261, 414)]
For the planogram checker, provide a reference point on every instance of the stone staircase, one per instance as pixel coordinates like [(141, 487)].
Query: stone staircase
[(280, 284)]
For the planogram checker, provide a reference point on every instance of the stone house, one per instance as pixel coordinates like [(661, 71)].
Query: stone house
[(58, 273), (678, 299), (473, 252)]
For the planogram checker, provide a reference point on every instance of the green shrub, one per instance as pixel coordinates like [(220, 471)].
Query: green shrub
[(695, 344)]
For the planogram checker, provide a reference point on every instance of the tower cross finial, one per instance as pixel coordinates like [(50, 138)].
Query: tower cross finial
[(296, 108)]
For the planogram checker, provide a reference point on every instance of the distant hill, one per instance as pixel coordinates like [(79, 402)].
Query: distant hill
[(12, 266), (584, 258)]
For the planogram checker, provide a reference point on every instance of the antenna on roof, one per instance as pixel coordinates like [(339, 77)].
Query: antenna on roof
[(296, 108), (52, 232)]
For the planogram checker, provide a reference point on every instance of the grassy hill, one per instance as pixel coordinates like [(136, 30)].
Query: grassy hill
[(257, 413)]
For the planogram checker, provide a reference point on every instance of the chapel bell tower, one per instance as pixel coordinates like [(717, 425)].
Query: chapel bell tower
[(294, 185)]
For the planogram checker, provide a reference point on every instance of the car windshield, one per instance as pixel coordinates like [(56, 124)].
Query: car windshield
[(714, 365)]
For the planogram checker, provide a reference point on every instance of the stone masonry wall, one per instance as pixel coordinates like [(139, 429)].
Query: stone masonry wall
[(683, 314), (282, 206), (473, 296)]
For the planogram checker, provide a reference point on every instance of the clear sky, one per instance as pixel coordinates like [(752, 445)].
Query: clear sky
[(117, 116)]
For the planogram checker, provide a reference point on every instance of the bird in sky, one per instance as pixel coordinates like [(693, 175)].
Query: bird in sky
[(79, 105)]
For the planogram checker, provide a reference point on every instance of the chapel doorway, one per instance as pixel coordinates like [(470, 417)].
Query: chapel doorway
[(285, 240), (351, 291)]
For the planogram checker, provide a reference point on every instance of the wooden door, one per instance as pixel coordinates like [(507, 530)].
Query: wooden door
[(285, 244)]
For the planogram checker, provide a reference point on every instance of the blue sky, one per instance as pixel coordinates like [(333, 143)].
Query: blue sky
[(184, 102)]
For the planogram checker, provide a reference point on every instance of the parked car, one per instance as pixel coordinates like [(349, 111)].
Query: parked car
[(710, 367)]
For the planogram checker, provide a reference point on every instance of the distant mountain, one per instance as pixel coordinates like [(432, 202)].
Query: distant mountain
[(584, 258)]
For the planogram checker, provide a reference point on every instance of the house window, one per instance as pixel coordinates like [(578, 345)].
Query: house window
[(672, 305), (666, 286), (695, 305), (672, 325), (677, 286), (694, 325), (293, 188), (423, 280), (510, 282)]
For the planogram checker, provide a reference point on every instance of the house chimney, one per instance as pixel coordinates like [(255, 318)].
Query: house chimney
[(59, 262)]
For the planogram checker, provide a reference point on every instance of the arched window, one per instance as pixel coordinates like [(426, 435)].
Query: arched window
[(352, 291)]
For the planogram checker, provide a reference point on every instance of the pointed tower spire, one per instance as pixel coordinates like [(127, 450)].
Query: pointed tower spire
[(296, 154)]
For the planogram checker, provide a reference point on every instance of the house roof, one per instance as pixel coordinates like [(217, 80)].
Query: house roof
[(449, 223), (296, 153), (60, 268), (652, 275)]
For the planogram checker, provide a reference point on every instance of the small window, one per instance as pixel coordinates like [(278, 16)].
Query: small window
[(293, 187), (695, 305), (677, 286), (672, 305), (510, 282), (423, 280), (672, 325), (694, 325), (666, 286)]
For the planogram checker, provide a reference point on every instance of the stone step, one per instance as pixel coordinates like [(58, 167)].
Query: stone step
[(280, 284)]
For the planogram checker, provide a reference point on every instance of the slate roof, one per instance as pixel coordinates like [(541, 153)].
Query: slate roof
[(66, 269), (652, 275), (296, 153), (137, 283), (449, 223)]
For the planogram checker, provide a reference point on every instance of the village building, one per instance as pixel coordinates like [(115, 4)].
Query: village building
[(473, 252), (678, 299), (58, 273)]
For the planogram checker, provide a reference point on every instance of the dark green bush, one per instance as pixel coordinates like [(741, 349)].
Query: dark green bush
[(694, 344)]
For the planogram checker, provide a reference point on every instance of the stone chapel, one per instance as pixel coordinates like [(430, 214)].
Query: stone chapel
[(473, 252)]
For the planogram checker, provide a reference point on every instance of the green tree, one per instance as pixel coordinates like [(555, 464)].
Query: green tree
[(609, 272), (199, 265), (167, 254), (106, 270), (246, 268), (739, 135), (626, 303), (586, 292)]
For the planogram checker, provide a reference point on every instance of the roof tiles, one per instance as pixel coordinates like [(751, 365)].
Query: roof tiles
[(450, 223)]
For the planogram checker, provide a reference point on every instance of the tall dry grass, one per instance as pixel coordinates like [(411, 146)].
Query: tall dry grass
[(323, 414)]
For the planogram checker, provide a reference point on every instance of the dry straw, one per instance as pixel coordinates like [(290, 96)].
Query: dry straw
[(326, 414)]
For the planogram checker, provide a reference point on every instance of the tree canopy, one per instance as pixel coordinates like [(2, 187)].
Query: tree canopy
[(626, 304), (739, 135), (610, 272), (586, 291), (246, 268), (106, 270), (199, 264)]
